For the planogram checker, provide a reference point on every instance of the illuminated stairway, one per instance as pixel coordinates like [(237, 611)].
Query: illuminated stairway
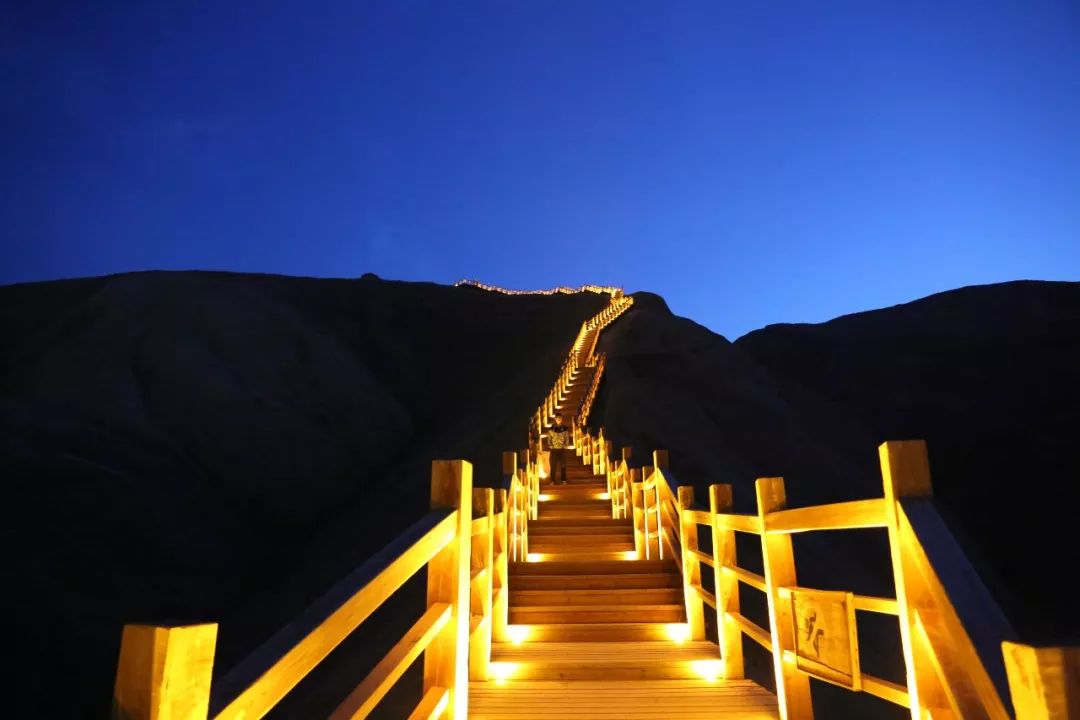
[(596, 632)]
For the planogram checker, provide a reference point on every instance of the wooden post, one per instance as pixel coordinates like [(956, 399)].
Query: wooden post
[(513, 515), (624, 482), (164, 672), (481, 566), (446, 661), (598, 455), (500, 606), (637, 511), (1044, 682), (660, 464), (726, 583), (792, 687), (691, 566), (905, 470)]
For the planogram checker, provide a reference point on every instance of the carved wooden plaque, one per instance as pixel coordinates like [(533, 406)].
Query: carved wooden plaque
[(826, 640)]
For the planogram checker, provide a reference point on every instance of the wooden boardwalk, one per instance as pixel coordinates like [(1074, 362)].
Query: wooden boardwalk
[(596, 632)]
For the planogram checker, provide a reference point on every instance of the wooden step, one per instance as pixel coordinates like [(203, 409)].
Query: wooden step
[(561, 493), (551, 551), (537, 529), (602, 631), (616, 596), (596, 582), (553, 523), (614, 567), (598, 513), (576, 540), (578, 558), (668, 613), (696, 699), (608, 660), (575, 503)]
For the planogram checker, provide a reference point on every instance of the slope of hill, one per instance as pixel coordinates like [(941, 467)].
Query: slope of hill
[(210, 446)]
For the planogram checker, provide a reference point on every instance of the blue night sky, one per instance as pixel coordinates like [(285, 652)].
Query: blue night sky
[(752, 162)]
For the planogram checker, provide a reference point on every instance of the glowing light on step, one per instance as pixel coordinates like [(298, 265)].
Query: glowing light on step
[(678, 632), (603, 496), (629, 555), (502, 671), (543, 497), (534, 557), (518, 633), (709, 670)]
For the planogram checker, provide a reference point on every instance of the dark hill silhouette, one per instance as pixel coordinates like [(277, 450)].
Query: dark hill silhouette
[(222, 447), (987, 375)]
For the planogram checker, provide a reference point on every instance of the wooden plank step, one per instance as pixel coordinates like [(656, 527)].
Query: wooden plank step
[(614, 596), (582, 558), (695, 699), (575, 540), (596, 582), (601, 632), (589, 513), (553, 550), (608, 660), (536, 529), (574, 522), (597, 613), (560, 493), (616, 567)]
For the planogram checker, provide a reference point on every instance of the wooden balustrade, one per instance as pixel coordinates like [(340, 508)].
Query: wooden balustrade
[(465, 543), (947, 675)]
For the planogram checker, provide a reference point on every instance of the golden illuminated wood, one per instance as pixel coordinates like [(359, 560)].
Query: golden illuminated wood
[(886, 690), (637, 511), (792, 687), (365, 696), (164, 672), (750, 578), (270, 678), (906, 473), (433, 705), (751, 629), (966, 682), (837, 516), (741, 523), (1044, 682), (481, 587), (885, 606), (696, 699), (699, 517), (826, 645), (691, 567), (729, 634), (446, 659), (501, 574)]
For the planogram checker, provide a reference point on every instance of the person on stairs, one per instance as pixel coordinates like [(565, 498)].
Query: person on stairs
[(558, 444)]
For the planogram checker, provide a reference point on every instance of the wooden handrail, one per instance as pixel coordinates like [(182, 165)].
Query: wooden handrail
[(177, 675), (957, 671), (258, 683)]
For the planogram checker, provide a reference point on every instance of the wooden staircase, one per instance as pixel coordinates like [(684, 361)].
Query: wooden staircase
[(595, 631)]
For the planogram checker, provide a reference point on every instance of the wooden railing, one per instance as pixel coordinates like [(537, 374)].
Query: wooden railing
[(950, 672), (465, 542), (582, 354)]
